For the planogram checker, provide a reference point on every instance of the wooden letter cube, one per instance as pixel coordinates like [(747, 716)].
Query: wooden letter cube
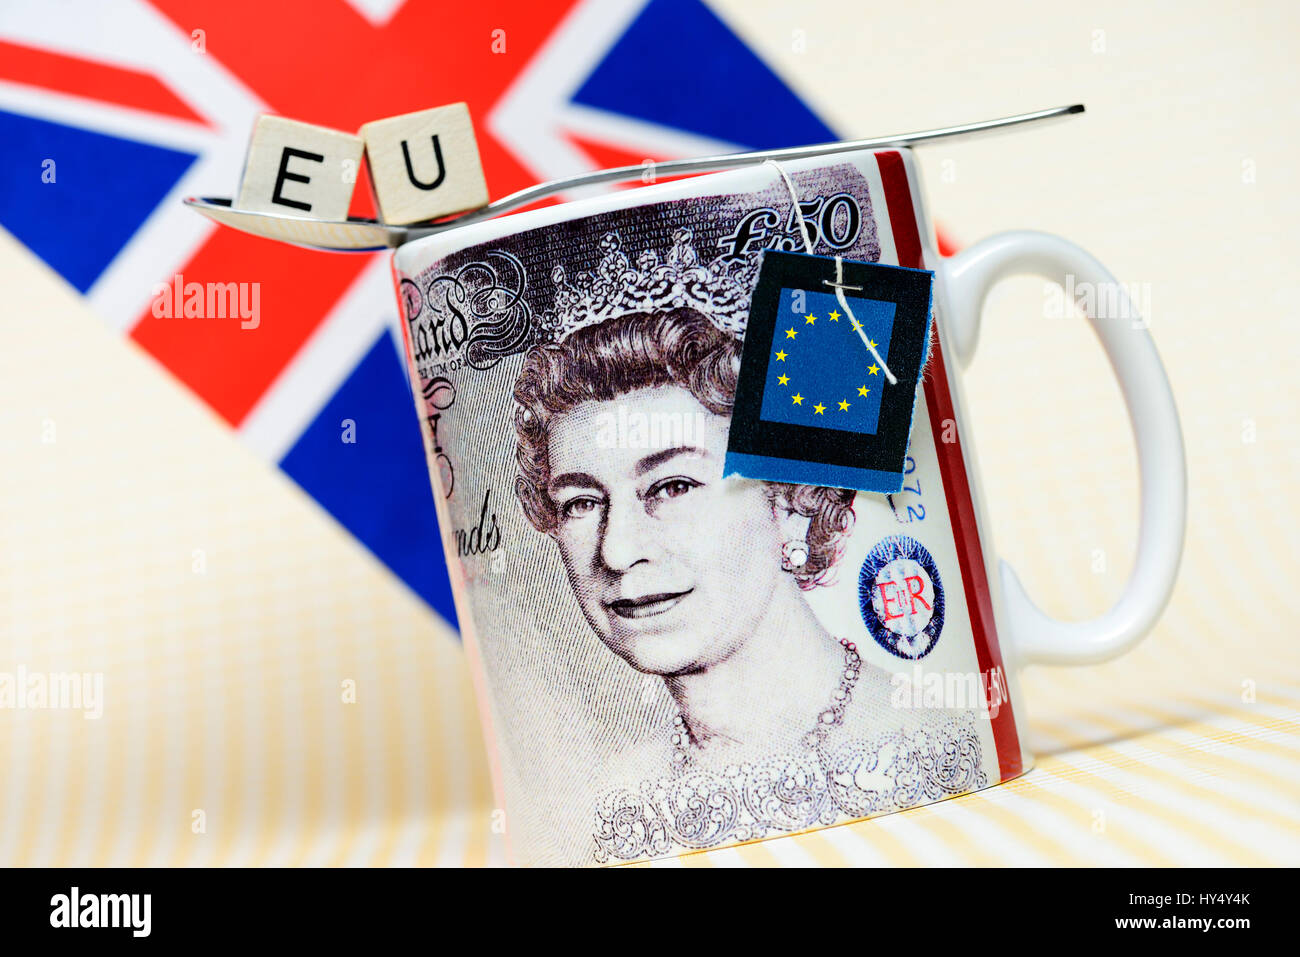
[(425, 164), (299, 169)]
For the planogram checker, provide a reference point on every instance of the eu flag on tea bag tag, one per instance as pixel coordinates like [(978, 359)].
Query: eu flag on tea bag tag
[(813, 405)]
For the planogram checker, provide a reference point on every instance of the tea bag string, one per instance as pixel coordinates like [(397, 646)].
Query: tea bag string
[(839, 273)]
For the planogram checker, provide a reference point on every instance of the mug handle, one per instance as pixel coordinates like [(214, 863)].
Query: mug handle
[(1036, 637)]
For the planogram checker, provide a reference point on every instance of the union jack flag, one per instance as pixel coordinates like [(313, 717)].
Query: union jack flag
[(139, 103)]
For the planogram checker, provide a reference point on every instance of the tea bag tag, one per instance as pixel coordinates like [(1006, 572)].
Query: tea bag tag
[(832, 358)]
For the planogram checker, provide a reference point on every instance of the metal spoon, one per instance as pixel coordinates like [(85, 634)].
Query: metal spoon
[(366, 235)]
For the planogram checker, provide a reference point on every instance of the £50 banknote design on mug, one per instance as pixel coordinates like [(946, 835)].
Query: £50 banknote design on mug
[(670, 661)]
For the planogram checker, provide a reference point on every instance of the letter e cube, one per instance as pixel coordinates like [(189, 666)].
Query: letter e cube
[(299, 169)]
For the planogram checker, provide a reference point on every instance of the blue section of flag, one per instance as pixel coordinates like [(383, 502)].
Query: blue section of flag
[(103, 188), (678, 65), (377, 486), (820, 370)]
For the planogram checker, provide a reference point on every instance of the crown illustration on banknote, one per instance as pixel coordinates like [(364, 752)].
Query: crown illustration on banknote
[(647, 281)]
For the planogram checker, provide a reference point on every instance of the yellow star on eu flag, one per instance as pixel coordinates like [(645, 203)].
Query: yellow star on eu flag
[(834, 316), (780, 356), (809, 320), (863, 390), (844, 405), (783, 379), (791, 333), (873, 368), (798, 399), (819, 408)]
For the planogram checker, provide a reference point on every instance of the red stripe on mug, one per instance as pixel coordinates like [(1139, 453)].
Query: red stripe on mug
[(952, 467)]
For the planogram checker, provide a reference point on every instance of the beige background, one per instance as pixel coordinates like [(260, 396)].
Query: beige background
[(224, 687)]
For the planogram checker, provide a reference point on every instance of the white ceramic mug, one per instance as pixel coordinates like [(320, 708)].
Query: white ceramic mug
[(669, 661)]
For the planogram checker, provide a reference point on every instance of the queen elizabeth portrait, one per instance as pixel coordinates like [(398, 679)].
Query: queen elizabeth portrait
[(703, 583)]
